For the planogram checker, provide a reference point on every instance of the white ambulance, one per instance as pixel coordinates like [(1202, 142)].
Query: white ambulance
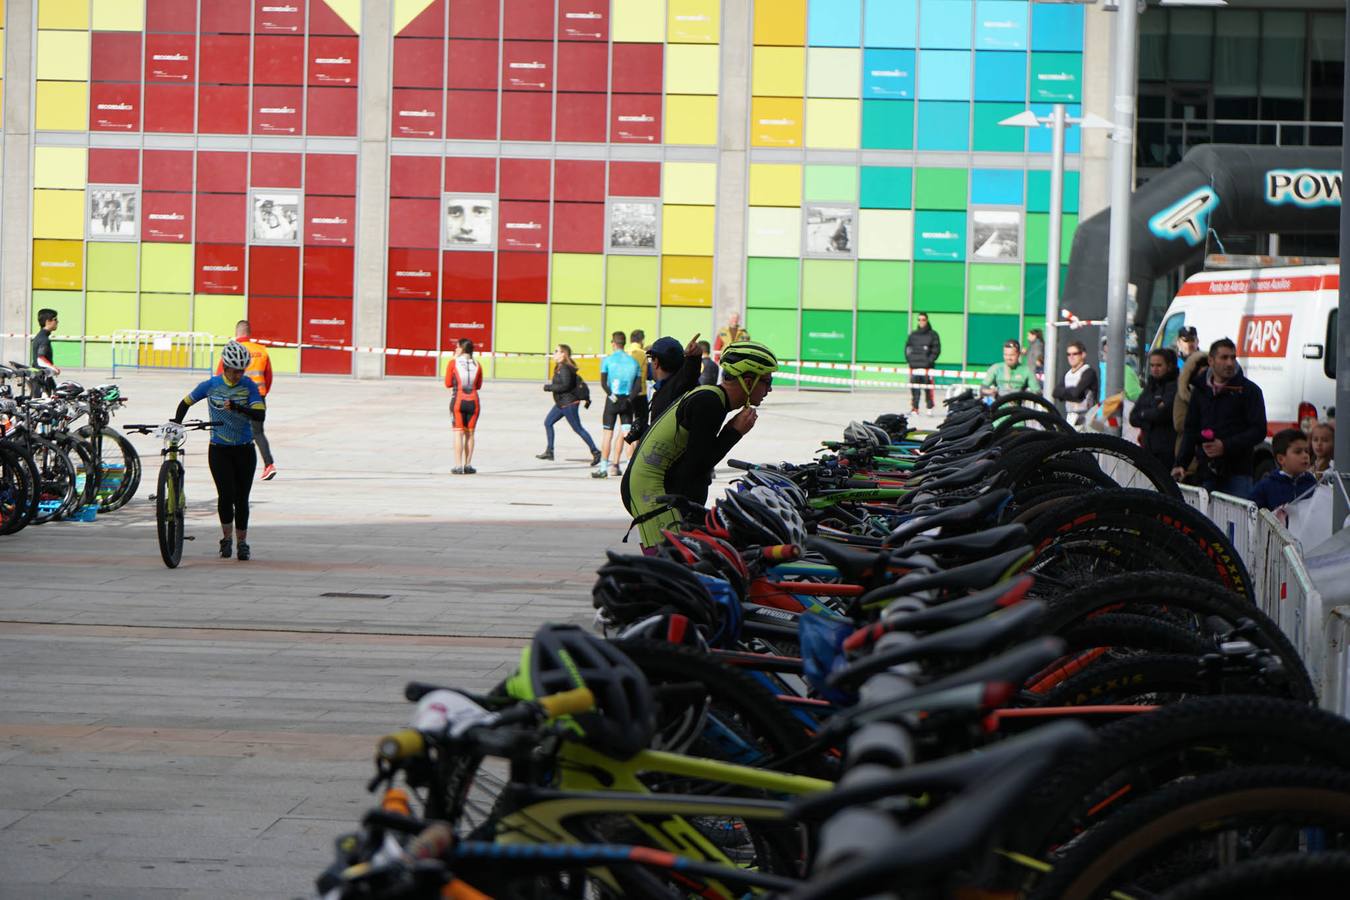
[(1283, 320)]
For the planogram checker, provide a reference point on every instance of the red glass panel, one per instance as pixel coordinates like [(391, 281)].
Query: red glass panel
[(423, 366), (224, 109), (522, 277), (277, 110), (524, 225), (634, 179), (331, 173), (430, 22), (171, 15), (581, 117), (474, 18), (466, 320), (331, 111), (529, 19), (411, 325), (108, 166), (274, 271), (224, 59), (636, 119), (222, 218), (323, 20), (420, 62), (637, 68), (279, 17), (116, 56), (326, 322), (220, 269), (275, 318), (466, 275), (527, 116), (168, 108), (327, 272), (227, 17), (525, 179), (222, 171), (583, 20), (278, 59), (414, 176), (114, 107), (578, 227), (168, 170), (527, 65), (471, 115), (471, 174), (417, 112), (583, 67), (166, 218), (276, 170), (330, 220), (473, 64), (413, 273), (169, 58), (579, 179), (333, 61), (414, 223)]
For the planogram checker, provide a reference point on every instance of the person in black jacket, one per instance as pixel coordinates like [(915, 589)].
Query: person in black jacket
[(1079, 386), (675, 372), (922, 349), (1152, 412), (566, 402), (1225, 422)]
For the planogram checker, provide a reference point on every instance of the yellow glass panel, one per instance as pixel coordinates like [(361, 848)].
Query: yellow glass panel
[(59, 167), (833, 72), (693, 21), (348, 11), (776, 122), (58, 214), (691, 119), (780, 22), (832, 123), (63, 14), (62, 106), (687, 230), (686, 281), (119, 15), (689, 182), (407, 10), (775, 185), (779, 72), (63, 55), (58, 265), (885, 234), (692, 68), (638, 20)]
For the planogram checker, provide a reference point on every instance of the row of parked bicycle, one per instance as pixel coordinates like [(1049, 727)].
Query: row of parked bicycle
[(59, 456), (998, 659)]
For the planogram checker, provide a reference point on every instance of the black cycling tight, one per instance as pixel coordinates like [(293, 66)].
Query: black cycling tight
[(232, 467)]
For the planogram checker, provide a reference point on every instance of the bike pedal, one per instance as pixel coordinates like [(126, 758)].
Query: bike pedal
[(188, 537)]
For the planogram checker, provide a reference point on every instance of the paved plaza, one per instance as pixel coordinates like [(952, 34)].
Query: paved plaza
[(207, 731)]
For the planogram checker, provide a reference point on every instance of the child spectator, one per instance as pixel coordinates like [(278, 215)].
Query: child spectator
[(1291, 479), (1322, 440)]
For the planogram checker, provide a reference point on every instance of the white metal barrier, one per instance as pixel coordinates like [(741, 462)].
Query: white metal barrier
[(1336, 659), (1196, 497), (163, 350), (1237, 519)]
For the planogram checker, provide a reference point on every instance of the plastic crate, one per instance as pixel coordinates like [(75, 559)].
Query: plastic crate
[(85, 513)]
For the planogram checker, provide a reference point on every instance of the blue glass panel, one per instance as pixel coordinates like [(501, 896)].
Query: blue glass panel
[(944, 125), (889, 23), (886, 187), (945, 24), (1041, 137), (939, 236), (1001, 25), (888, 75), (944, 75), (999, 187), (1000, 76), (1056, 26), (834, 23)]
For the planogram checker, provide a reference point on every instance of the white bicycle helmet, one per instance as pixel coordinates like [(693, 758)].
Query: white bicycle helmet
[(790, 528), (235, 356), (785, 486)]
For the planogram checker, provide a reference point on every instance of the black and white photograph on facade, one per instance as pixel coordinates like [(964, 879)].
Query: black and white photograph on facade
[(831, 230), (996, 235), (276, 217), (114, 213), (633, 226), (470, 222)]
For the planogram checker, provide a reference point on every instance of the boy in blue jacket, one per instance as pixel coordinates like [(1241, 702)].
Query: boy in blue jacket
[(1291, 479)]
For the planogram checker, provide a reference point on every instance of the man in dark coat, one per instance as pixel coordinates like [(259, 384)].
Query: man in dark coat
[(1225, 422), (922, 350)]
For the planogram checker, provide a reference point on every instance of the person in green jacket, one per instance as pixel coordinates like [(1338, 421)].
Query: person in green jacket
[(1009, 376)]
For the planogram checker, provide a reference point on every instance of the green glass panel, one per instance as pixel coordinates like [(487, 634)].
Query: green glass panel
[(887, 187), (284, 359), (632, 318), (771, 282), (522, 328), (109, 312), (985, 338), (69, 306), (883, 285), (939, 287), (579, 328), (67, 354), (578, 278), (989, 135), (632, 280), (1038, 191), (939, 235), (521, 368), (775, 327), (995, 288), (166, 312), (683, 322), (940, 188), (827, 336), (828, 284), (98, 356), (112, 266), (1038, 237), (1035, 279), (1056, 77), (888, 125), (837, 183), (881, 337), (951, 328), (166, 268), (217, 313)]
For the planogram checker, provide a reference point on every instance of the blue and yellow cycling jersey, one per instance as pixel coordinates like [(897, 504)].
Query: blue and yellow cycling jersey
[(233, 428)]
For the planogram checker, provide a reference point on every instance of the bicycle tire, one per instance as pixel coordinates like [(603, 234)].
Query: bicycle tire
[(56, 478), (169, 512), (1315, 876), (1149, 468), (126, 456), (1130, 846), (1112, 545), (1145, 679), (1131, 631), (1035, 398), (16, 489), (1010, 419), (86, 474)]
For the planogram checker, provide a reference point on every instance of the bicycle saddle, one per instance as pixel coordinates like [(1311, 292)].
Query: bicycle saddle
[(974, 576), (964, 477), (966, 515), (971, 454), (855, 564), (944, 615), (979, 543)]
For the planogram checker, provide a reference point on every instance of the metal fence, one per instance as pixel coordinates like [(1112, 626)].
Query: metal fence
[(134, 349)]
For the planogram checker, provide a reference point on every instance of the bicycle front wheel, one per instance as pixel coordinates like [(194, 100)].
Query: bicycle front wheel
[(170, 505)]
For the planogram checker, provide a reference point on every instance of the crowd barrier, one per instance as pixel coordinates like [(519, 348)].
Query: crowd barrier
[(1284, 591), (135, 349)]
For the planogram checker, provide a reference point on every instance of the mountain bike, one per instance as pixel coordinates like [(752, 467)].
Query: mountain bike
[(170, 499)]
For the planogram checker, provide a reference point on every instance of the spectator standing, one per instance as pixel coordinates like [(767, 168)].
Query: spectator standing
[(709, 373), (728, 334), (1224, 423), (1079, 389), (464, 377), (1188, 344), (1198, 362), (259, 372), (1009, 376), (619, 376), (42, 348), (1152, 413), (1291, 479), (1034, 356), (675, 372), (567, 396), (1322, 440), (637, 348), (922, 349)]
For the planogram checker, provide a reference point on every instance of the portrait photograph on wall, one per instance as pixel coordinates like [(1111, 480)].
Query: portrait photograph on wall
[(996, 235), (633, 226), (831, 230), (470, 222), (276, 217), (114, 212)]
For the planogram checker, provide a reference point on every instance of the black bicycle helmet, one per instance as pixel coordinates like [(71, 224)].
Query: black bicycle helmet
[(707, 555), (563, 657), (634, 587)]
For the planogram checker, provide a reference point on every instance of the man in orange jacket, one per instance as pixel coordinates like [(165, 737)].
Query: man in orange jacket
[(259, 371)]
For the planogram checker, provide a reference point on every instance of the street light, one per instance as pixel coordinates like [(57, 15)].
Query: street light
[(1058, 120)]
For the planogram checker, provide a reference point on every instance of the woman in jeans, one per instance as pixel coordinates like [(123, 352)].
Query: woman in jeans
[(566, 402)]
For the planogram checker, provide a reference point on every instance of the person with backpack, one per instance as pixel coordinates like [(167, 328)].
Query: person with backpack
[(569, 391), (464, 378), (619, 376)]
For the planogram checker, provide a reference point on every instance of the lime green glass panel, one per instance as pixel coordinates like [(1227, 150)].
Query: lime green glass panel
[(837, 183), (939, 287), (888, 125), (827, 336), (522, 368), (683, 322), (995, 288), (881, 337), (98, 355), (887, 187), (166, 268), (109, 312), (166, 312), (632, 280), (578, 278), (284, 359), (112, 266), (522, 328), (69, 306), (883, 285), (778, 328), (772, 282), (1038, 237), (579, 328), (986, 336), (632, 318), (940, 188), (67, 354), (217, 314), (1038, 191), (951, 327), (828, 284), (989, 135)]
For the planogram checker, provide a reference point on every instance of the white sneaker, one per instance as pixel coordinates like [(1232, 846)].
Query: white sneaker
[(599, 472)]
